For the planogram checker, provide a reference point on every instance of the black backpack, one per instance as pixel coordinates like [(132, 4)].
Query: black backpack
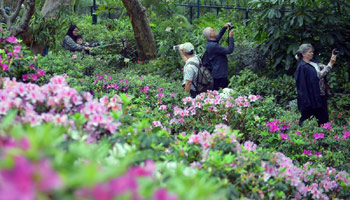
[(204, 79), (206, 61)]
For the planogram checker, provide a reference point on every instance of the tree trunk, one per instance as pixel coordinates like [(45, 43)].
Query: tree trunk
[(146, 46), (23, 25), (50, 7)]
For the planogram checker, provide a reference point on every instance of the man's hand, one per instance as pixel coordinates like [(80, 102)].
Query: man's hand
[(228, 24), (231, 33), (188, 86), (333, 59)]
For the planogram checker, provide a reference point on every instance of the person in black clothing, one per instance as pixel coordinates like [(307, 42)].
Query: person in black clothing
[(309, 77), (70, 39), (218, 55)]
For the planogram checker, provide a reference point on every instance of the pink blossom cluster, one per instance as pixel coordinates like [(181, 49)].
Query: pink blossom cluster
[(126, 183), (318, 136), (278, 126), (25, 179), (307, 181), (309, 153), (346, 135), (33, 76), (211, 102), (124, 85), (327, 126), (205, 139), (249, 145), (55, 102), (9, 54)]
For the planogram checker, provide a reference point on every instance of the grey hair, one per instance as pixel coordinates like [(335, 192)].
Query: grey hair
[(303, 49), (206, 32)]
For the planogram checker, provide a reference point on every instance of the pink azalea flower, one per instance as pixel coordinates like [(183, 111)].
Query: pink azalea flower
[(74, 56), (25, 77), (327, 126), (145, 89), (196, 165), (156, 124), (17, 49), (163, 107), (318, 136), (346, 135), (160, 94), (250, 146), (4, 107), (4, 67), (34, 77), (307, 152), (317, 153), (336, 137), (283, 136), (12, 40), (41, 72), (246, 104), (194, 139), (18, 182), (59, 80)]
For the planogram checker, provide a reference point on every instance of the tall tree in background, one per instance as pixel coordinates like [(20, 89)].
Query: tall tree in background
[(11, 17), (21, 26), (146, 46)]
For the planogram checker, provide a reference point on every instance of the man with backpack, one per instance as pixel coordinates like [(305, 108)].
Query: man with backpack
[(217, 55), (186, 51)]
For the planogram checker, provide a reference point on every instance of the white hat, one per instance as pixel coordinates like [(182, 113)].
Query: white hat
[(188, 47)]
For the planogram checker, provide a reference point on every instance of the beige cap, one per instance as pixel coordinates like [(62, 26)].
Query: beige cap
[(188, 47)]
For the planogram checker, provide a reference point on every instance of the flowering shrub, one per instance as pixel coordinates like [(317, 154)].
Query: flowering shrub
[(327, 145), (258, 173), (15, 61), (36, 164), (208, 109), (56, 102), (150, 91)]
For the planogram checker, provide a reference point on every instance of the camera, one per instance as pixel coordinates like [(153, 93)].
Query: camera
[(176, 47), (335, 52), (231, 27)]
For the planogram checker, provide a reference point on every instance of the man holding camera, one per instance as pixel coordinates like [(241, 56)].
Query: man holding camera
[(186, 51), (217, 54)]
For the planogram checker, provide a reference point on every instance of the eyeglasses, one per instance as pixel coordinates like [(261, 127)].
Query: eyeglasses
[(75, 30)]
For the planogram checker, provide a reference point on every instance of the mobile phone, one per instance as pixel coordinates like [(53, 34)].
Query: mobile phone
[(335, 52)]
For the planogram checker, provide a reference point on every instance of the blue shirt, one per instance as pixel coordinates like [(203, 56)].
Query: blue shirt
[(218, 55)]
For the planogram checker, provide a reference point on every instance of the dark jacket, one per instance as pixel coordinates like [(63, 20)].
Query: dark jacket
[(308, 87), (69, 44), (217, 55)]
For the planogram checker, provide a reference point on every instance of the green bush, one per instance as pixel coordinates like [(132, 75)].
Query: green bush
[(282, 88)]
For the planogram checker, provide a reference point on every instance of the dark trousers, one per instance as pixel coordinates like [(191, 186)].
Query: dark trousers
[(220, 83), (193, 93), (321, 114)]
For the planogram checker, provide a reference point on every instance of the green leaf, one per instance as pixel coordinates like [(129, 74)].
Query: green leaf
[(8, 119), (301, 20)]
